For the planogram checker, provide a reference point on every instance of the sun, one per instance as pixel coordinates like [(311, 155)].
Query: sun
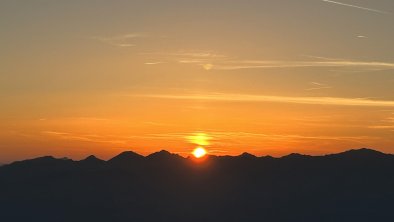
[(199, 152)]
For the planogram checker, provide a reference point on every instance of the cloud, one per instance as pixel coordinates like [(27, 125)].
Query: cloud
[(125, 40), (203, 59), (223, 97), (212, 138), (237, 65), (153, 63), (318, 86), (198, 54), (381, 127), (285, 137), (387, 123), (188, 54), (207, 66), (201, 139), (213, 61), (355, 6), (83, 137)]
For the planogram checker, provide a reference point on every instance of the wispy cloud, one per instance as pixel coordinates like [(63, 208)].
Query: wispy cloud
[(200, 138), (237, 65), (195, 54), (355, 6), (214, 61), (77, 119), (204, 59), (84, 137), (318, 86), (381, 127), (385, 124), (286, 137), (153, 63), (279, 99), (126, 40), (214, 138)]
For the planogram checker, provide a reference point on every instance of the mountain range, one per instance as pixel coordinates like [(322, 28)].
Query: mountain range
[(356, 185)]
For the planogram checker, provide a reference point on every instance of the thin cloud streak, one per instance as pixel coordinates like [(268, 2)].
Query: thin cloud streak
[(381, 127), (120, 40), (153, 63), (355, 6), (216, 137), (279, 99), (318, 86), (189, 54), (213, 61), (200, 58), (83, 138), (236, 65), (387, 123)]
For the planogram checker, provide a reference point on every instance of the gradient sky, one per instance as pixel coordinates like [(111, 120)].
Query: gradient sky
[(269, 77)]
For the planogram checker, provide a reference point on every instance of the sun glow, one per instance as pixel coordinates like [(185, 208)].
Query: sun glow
[(199, 152), (200, 139)]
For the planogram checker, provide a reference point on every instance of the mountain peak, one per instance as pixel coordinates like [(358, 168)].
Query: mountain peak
[(363, 152), (126, 156), (92, 158), (92, 161), (247, 155), (295, 156), (160, 153), (163, 154), (43, 159)]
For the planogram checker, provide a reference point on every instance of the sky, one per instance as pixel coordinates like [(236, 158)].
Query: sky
[(81, 77)]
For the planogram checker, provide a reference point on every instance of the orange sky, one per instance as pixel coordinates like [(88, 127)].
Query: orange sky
[(267, 77)]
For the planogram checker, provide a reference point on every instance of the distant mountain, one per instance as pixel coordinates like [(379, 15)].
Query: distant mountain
[(91, 159), (92, 162), (38, 164), (360, 153), (296, 156), (126, 156), (163, 155), (356, 185), (126, 159), (247, 156)]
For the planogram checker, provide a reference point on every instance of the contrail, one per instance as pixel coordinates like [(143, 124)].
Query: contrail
[(355, 6)]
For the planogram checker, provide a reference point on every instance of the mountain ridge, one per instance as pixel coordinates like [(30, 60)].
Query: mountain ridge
[(133, 156), (351, 186)]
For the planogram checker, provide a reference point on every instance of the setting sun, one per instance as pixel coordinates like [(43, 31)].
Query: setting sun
[(199, 152)]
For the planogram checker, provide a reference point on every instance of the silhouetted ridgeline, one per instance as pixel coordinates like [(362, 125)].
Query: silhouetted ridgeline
[(356, 185)]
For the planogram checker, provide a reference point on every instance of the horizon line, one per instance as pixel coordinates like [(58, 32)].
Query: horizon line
[(190, 155)]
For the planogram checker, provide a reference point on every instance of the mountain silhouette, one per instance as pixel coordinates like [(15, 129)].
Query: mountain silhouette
[(247, 156), (126, 159), (164, 155), (360, 153), (91, 162), (356, 185)]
